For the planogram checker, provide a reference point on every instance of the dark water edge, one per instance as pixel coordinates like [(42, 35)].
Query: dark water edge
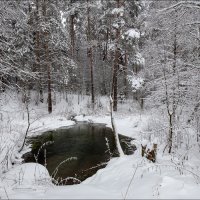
[(87, 142)]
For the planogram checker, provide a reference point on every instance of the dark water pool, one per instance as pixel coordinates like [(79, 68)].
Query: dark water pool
[(86, 142)]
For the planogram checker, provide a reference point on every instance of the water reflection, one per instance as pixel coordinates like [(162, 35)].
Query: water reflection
[(85, 141)]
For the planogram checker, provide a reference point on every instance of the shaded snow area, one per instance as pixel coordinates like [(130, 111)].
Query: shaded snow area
[(127, 177)]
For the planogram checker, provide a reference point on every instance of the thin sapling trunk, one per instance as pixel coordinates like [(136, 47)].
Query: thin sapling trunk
[(118, 145)]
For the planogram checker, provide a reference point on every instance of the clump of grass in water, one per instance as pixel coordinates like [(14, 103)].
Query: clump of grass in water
[(41, 147), (62, 181), (58, 181)]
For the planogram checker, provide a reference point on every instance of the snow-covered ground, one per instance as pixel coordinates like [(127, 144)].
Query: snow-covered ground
[(123, 178)]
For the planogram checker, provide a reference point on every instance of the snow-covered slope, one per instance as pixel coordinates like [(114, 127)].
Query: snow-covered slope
[(123, 178)]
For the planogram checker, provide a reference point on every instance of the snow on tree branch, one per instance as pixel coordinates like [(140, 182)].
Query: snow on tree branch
[(191, 4)]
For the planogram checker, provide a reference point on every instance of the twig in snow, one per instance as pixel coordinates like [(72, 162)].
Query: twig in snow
[(43, 145), (131, 181), (6, 193)]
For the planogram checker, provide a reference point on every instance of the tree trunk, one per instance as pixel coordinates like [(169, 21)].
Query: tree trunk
[(37, 53), (49, 81), (48, 63), (105, 50), (174, 100), (72, 35), (170, 132), (91, 73), (115, 79), (116, 65), (125, 75), (90, 55), (172, 115)]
